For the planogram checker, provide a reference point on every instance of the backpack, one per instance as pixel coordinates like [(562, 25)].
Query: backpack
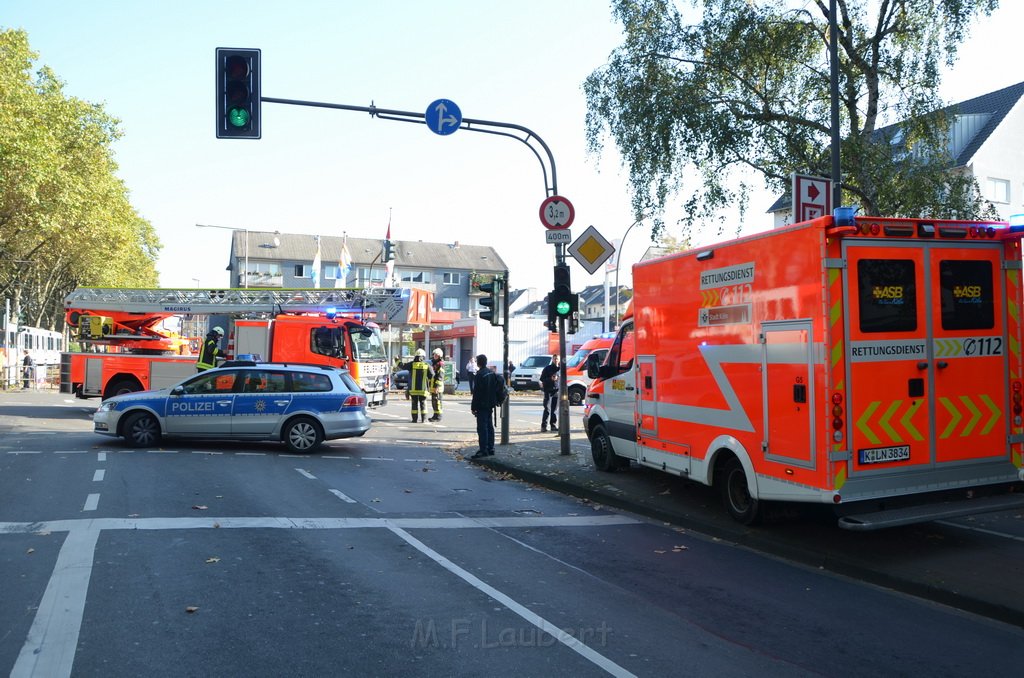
[(499, 389)]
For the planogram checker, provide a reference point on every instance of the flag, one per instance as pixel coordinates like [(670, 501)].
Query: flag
[(389, 267), (316, 265), (344, 263)]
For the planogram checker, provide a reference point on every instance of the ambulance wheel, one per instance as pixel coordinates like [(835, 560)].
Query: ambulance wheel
[(576, 395), (732, 482), (141, 429), (601, 450), (302, 435)]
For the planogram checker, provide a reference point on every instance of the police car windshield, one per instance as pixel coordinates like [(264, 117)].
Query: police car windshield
[(367, 344)]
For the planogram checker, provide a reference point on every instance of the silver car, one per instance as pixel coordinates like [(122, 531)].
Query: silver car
[(301, 405)]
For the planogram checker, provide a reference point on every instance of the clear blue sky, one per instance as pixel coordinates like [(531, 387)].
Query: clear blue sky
[(327, 172)]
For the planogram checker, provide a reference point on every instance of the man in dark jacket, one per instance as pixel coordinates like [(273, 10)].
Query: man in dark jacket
[(485, 398), (549, 383)]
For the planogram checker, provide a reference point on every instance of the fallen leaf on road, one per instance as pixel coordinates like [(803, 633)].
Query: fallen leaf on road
[(657, 551), (199, 508), (376, 500), (666, 492), (213, 559), (30, 551), (191, 608), (407, 491), (216, 524)]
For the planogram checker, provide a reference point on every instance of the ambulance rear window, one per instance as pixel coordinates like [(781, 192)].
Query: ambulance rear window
[(888, 295), (967, 295)]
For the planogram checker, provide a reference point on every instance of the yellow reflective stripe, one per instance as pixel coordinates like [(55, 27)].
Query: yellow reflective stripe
[(955, 413), (862, 423), (884, 421), (907, 424)]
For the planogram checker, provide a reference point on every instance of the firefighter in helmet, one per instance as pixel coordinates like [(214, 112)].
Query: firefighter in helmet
[(420, 376), (210, 351), (437, 383)]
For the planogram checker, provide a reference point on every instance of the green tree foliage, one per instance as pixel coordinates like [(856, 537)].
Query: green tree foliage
[(65, 217), (745, 85)]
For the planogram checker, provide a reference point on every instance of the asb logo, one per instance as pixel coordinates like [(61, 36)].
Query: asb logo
[(887, 292)]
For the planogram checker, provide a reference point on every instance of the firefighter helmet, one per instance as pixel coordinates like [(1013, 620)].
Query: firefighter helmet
[(438, 353), (218, 330), (420, 353)]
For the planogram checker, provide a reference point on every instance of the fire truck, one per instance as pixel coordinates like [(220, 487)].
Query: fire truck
[(129, 346), (869, 364)]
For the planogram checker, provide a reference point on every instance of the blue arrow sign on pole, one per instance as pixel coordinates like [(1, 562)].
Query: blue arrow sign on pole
[(443, 117)]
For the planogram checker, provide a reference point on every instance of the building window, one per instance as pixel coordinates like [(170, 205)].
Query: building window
[(414, 276), (263, 271), (452, 278), (450, 304), (332, 272), (303, 271), (997, 190), (370, 275)]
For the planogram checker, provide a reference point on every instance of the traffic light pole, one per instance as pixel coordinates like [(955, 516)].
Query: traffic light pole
[(563, 382), (504, 341)]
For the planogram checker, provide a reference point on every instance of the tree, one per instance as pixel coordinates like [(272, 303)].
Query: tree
[(747, 87), (65, 217)]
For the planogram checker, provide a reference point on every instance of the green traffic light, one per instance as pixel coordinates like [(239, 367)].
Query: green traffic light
[(562, 308), (238, 117)]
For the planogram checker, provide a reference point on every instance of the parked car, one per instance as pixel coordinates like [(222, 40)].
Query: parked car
[(300, 405), (526, 377)]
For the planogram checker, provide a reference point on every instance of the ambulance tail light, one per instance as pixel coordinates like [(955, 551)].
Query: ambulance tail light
[(1017, 407), (837, 417)]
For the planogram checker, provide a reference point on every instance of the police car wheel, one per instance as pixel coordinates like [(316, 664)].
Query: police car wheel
[(732, 482), (302, 435), (141, 430), (605, 458)]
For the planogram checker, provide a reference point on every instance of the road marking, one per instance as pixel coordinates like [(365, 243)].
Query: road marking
[(332, 456), (566, 639), (251, 454), (162, 451), (49, 649), (24, 452), (306, 473), (981, 529), (91, 502), (342, 496), (101, 456), (376, 459), (71, 452), (98, 475), (204, 452)]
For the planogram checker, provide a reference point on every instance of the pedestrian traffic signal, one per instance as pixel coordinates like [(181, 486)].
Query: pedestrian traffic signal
[(493, 303), (389, 251), (238, 93)]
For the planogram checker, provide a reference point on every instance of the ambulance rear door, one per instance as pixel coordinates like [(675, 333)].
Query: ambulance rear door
[(927, 358)]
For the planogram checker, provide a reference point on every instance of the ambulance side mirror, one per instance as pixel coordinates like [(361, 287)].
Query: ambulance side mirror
[(593, 366)]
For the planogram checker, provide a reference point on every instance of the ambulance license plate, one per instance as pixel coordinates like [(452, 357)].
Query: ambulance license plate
[(881, 455)]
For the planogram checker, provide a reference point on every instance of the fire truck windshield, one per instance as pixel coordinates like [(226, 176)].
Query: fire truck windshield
[(367, 344)]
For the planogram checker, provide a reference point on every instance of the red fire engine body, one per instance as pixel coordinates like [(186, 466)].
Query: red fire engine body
[(305, 326), (866, 365)]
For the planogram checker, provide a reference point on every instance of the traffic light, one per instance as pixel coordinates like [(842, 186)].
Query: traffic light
[(238, 93), (389, 251), (562, 303), (493, 303)]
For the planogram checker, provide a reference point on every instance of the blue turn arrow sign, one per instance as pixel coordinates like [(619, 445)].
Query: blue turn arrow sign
[(443, 117)]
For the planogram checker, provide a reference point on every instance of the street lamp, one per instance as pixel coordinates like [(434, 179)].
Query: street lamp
[(618, 263), (245, 281)]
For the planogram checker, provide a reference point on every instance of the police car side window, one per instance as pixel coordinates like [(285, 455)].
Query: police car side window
[(214, 382), (310, 381)]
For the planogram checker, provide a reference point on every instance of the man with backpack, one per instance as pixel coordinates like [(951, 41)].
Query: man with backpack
[(489, 392)]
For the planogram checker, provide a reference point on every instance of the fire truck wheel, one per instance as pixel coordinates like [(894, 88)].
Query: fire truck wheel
[(735, 494), (576, 394), (302, 435), (601, 450), (121, 387), (141, 430)]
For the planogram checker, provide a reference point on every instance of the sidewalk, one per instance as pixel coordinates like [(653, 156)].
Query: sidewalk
[(960, 568)]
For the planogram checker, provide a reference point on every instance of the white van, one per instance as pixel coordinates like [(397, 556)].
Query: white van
[(526, 376)]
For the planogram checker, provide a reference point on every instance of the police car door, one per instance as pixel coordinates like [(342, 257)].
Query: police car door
[(262, 399), (204, 406)]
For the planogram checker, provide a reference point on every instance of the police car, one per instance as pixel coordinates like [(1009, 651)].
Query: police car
[(300, 405)]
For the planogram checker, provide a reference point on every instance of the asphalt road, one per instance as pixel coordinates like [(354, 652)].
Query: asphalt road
[(391, 555)]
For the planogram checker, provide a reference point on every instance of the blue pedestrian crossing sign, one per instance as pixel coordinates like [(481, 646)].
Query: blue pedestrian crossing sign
[(443, 117)]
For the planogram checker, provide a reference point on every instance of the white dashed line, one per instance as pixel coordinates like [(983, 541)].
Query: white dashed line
[(101, 456), (98, 475), (376, 459), (342, 496), (91, 502), (306, 473)]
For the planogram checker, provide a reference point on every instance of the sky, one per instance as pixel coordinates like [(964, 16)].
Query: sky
[(328, 172)]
